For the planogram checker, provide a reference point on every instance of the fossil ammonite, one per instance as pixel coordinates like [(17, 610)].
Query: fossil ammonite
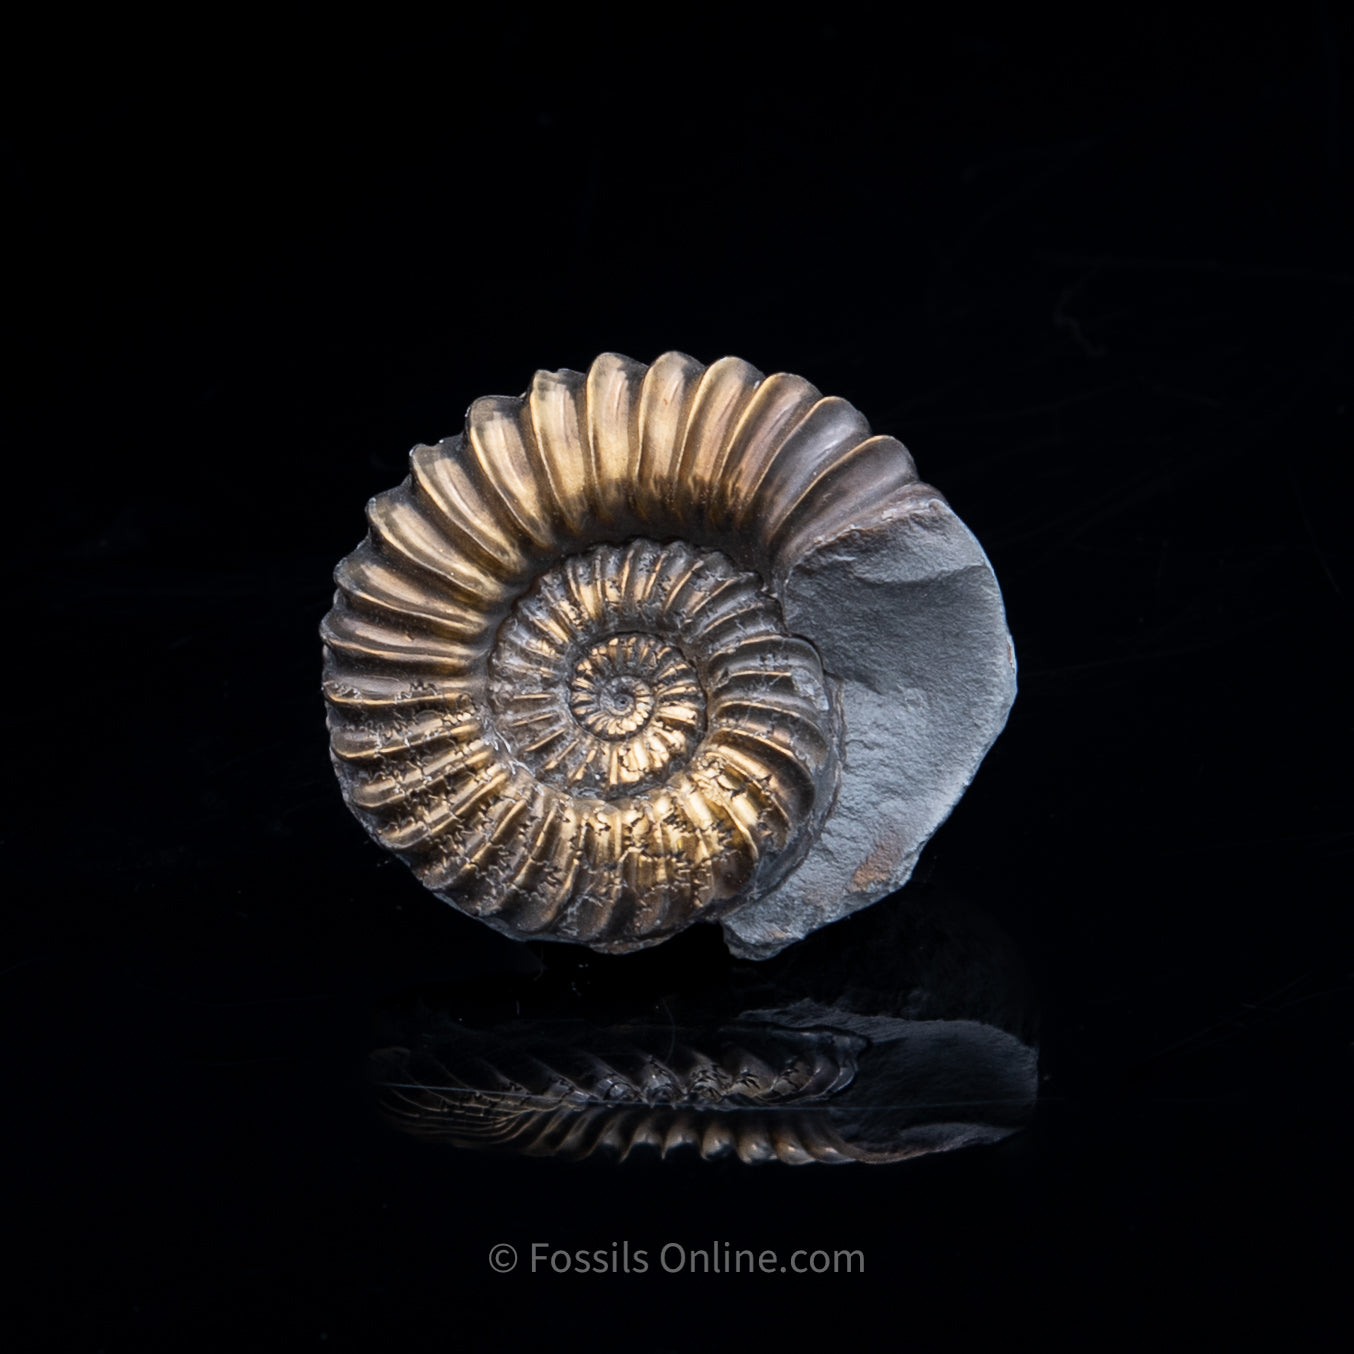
[(654, 645)]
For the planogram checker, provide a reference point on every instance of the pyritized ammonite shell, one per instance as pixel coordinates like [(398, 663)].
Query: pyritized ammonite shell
[(658, 644)]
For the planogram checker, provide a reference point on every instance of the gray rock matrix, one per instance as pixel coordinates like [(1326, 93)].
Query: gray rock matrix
[(907, 616)]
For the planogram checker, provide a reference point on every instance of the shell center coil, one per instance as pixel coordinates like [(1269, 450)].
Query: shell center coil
[(598, 677), (622, 683)]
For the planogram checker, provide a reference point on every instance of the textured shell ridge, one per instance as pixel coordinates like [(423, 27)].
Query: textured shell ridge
[(594, 671)]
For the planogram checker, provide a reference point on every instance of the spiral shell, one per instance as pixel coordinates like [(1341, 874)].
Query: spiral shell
[(622, 655)]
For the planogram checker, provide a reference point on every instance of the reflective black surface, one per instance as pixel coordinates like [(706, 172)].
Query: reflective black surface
[(1095, 272), (881, 1041)]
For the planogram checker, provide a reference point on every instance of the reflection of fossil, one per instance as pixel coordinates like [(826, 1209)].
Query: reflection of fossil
[(658, 644), (907, 1031), (760, 1091)]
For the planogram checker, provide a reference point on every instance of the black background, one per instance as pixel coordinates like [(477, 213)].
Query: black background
[(1095, 272)]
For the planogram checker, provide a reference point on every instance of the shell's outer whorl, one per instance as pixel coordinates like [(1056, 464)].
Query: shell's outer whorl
[(604, 659)]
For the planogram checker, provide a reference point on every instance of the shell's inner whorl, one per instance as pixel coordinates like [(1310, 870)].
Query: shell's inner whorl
[(603, 678), (624, 684), (613, 694), (643, 743), (661, 679)]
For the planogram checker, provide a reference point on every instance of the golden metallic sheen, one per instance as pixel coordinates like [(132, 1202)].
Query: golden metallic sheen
[(560, 681)]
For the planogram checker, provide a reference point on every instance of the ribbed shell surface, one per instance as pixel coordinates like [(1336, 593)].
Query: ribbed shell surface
[(560, 683)]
